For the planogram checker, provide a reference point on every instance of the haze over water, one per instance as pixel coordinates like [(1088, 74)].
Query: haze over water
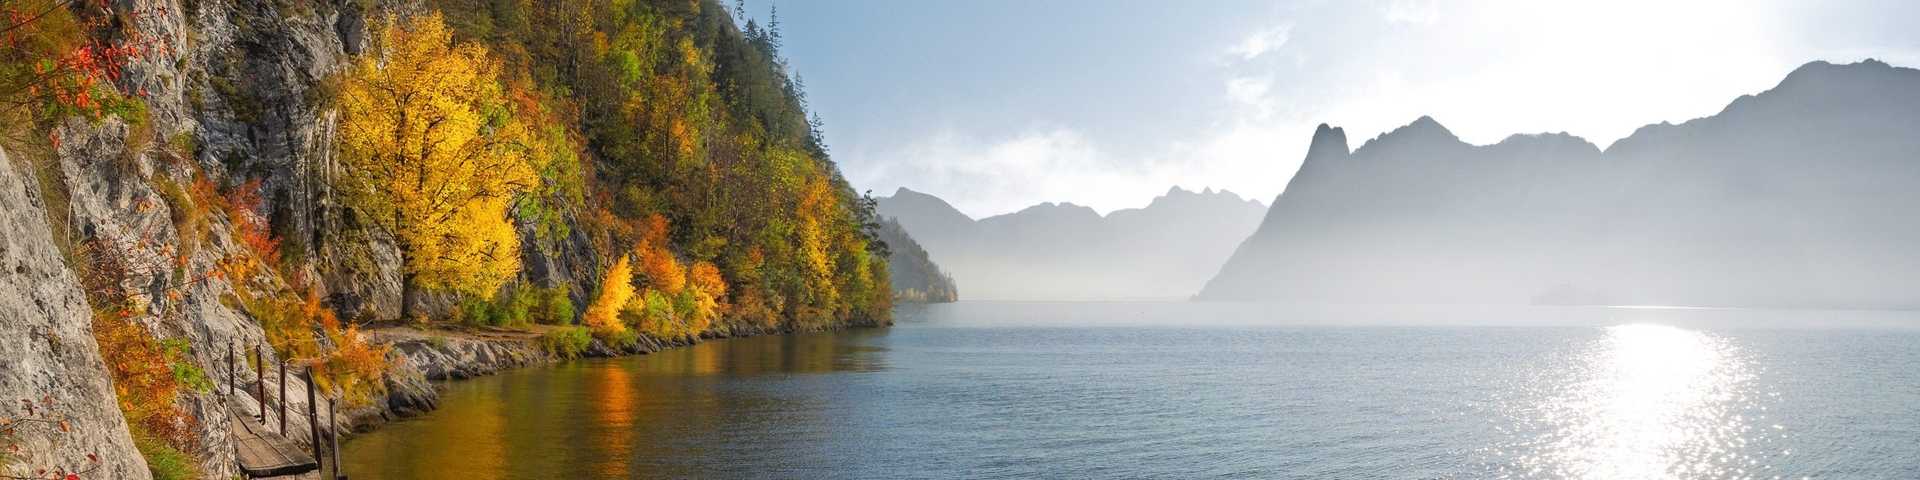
[(1077, 390)]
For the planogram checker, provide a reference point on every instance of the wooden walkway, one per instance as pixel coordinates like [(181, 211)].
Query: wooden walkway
[(266, 454)]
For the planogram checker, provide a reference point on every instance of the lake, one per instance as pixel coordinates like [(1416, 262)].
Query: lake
[(1198, 390)]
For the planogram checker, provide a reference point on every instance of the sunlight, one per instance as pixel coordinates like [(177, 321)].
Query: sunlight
[(1656, 402)]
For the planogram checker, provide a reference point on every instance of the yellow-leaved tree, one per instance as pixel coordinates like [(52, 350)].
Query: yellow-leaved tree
[(603, 315), (435, 156)]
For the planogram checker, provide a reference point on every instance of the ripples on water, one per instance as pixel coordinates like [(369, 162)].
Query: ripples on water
[(1641, 401), (979, 391)]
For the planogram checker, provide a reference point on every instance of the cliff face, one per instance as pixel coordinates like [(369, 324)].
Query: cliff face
[(1801, 196), (231, 97), (53, 386)]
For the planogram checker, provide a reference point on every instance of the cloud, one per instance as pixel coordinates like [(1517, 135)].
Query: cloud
[(1261, 42), (1252, 93), (984, 177), (1249, 90), (1487, 69), (1417, 12)]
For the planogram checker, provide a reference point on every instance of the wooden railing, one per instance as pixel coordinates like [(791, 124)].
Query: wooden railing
[(291, 465)]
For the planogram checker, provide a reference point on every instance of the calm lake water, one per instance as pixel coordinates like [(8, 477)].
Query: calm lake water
[(1178, 390)]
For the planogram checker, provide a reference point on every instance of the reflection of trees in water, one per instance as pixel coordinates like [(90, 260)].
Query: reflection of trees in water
[(723, 399), (610, 398), (536, 401), (783, 354), (688, 412), (462, 440)]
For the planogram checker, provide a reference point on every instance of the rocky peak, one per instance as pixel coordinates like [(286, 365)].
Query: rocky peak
[(1328, 142), (1177, 197)]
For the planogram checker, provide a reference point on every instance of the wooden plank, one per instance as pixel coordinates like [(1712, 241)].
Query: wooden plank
[(267, 454)]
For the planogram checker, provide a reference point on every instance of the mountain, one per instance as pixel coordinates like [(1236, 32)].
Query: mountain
[(925, 215), (914, 276), (1062, 251), (1805, 195)]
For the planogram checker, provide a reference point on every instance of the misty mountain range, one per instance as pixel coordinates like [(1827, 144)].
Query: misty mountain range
[(1062, 251), (1806, 195)]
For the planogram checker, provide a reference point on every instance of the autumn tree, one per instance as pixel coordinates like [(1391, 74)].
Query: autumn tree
[(603, 315), (436, 157)]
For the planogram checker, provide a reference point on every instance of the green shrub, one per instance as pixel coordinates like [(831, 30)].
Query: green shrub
[(566, 342), (555, 308), (516, 309), (185, 371), (165, 462), (519, 307), (623, 339), (475, 312)]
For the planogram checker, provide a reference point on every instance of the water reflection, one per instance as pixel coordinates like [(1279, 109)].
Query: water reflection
[(613, 415), (639, 417), (1647, 401), (1165, 402)]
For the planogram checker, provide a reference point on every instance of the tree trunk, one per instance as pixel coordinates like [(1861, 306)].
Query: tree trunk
[(409, 295), (409, 281)]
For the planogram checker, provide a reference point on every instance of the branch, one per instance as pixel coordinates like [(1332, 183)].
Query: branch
[(36, 17)]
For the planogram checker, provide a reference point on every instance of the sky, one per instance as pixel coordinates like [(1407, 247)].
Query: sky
[(995, 105)]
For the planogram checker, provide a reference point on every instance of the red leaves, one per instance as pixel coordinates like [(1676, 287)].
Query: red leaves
[(65, 53), (250, 226)]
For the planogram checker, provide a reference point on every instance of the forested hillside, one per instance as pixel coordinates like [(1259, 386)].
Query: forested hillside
[(916, 277), (381, 193), (670, 133)]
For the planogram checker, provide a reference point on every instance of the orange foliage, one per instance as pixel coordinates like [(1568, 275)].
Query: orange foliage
[(250, 224), (662, 270), (354, 367), (304, 330), (705, 277), (148, 375), (143, 380)]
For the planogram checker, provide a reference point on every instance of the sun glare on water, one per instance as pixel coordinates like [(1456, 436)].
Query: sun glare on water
[(1647, 402)]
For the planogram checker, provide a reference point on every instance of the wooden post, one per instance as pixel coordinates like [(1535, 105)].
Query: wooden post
[(283, 396), (313, 420), (260, 381), (333, 436)]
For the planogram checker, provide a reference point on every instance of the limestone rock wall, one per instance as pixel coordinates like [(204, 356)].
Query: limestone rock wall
[(53, 386)]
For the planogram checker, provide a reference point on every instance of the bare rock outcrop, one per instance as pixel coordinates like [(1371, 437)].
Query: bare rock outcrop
[(54, 388)]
